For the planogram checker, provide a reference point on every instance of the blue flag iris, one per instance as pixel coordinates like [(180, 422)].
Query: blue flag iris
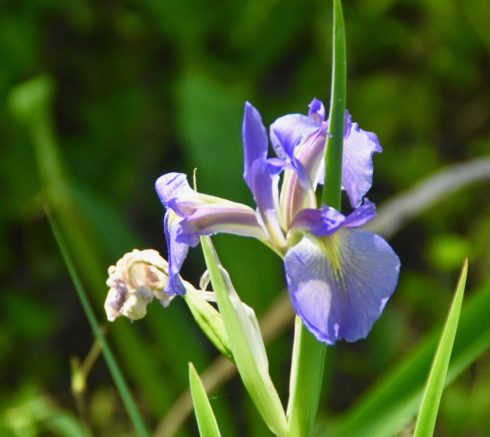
[(339, 277)]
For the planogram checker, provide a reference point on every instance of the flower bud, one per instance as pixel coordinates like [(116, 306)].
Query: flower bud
[(137, 278)]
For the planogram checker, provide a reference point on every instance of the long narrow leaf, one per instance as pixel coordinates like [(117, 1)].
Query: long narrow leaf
[(116, 373), (206, 421), (392, 402), (246, 343), (435, 384)]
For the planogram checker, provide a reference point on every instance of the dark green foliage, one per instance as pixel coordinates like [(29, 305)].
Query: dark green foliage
[(142, 88)]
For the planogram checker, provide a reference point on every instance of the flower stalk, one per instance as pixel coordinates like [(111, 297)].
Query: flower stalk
[(308, 360)]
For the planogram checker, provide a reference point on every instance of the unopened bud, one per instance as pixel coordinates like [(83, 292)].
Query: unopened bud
[(137, 278)]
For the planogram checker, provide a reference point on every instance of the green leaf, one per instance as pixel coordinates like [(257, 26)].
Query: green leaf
[(246, 343), (210, 321), (114, 369), (435, 384), (393, 401), (206, 421)]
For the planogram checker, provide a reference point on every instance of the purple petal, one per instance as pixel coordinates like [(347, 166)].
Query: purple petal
[(203, 214), (340, 284), (173, 186), (254, 140), (177, 252), (191, 214), (288, 131), (320, 222), (295, 193), (357, 163), (361, 215), (316, 111), (264, 186), (218, 218)]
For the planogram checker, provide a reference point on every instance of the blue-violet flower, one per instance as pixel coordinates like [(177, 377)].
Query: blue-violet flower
[(339, 277)]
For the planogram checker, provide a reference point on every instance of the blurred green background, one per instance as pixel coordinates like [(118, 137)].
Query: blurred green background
[(144, 87)]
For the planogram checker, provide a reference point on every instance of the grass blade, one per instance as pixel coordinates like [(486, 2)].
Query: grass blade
[(206, 421), (116, 373), (435, 384)]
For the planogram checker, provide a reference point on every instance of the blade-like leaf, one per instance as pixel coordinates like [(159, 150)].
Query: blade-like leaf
[(435, 384), (393, 401), (246, 343), (206, 422), (116, 373)]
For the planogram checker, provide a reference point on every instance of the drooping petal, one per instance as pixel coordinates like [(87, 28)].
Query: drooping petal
[(320, 222), (340, 284), (357, 162), (175, 192), (191, 214), (177, 252), (254, 138), (361, 215)]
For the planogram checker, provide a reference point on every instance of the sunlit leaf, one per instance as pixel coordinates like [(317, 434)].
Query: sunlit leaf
[(206, 421), (435, 384)]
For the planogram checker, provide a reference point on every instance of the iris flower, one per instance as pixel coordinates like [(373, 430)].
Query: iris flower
[(339, 277)]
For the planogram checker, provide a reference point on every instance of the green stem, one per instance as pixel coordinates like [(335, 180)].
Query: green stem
[(335, 138), (116, 373), (306, 381), (309, 354)]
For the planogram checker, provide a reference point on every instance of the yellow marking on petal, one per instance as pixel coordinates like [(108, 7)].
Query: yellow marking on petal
[(331, 248)]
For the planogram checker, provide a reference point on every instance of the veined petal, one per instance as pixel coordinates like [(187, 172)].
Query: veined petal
[(320, 222), (357, 162), (298, 188), (221, 218), (264, 186), (254, 138), (191, 214), (361, 215), (175, 193), (340, 284), (177, 252), (288, 131)]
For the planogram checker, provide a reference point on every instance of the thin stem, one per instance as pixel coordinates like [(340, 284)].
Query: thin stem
[(116, 373), (335, 138), (309, 354)]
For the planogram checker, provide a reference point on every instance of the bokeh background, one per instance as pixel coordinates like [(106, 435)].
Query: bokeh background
[(140, 88)]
